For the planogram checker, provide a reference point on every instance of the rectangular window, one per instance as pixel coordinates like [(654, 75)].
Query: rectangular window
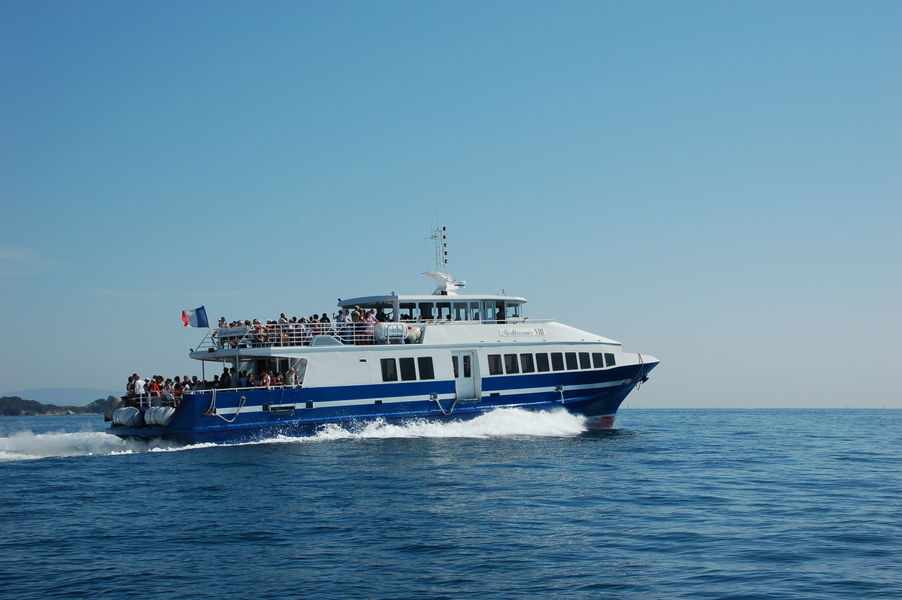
[(542, 362), (557, 361), (454, 366), (495, 364), (467, 372), (609, 359), (510, 364), (425, 365), (598, 360), (408, 370), (460, 311), (443, 311), (389, 370), (426, 311), (474, 311), (526, 363), (584, 362), (571, 361)]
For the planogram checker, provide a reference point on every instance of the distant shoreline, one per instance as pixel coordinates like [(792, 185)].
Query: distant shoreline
[(14, 406)]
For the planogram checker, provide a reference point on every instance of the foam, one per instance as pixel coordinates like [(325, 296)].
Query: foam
[(26, 445)]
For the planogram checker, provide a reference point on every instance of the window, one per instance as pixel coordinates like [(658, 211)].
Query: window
[(425, 365), (512, 311), (609, 360), (542, 362), (494, 364), (474, 311), (571, 361), (408, 311), (557, 361), (467, 372), (526, 364), (427, 312), (460, 311), (454, 366), (510, 364), (389, 370), (598, 360), (443, 311), (584, 362), (408, 370)]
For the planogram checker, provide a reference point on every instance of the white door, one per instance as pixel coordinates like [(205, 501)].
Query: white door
[(464, 364)]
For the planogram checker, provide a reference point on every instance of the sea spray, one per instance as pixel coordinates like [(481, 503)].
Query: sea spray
[(26, 445)]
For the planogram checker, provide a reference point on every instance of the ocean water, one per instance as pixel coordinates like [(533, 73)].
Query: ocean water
[(514, 504)]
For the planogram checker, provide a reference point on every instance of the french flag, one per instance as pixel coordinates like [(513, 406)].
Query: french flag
[(195, 318)]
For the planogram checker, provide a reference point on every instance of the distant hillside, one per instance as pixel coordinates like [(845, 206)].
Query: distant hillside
[(63, 396), (14, 406)]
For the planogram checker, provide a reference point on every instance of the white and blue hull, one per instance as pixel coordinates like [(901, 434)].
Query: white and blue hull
[(249, 414)]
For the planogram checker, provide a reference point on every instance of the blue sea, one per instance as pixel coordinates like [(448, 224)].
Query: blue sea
[(513, 504)]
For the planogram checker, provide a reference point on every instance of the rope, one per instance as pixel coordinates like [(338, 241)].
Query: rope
[(441, 408), (211, 410)]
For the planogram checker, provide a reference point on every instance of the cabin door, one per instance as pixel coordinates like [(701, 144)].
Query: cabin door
[(464, 364)]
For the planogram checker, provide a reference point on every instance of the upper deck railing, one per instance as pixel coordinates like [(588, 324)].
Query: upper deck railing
[(289, 335)]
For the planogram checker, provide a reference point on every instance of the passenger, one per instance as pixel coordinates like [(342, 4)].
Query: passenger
[(139, 388), (291, 378), (267, 379), (251, 382), (225, 380), (222, 322), (280, 380), (130, 386)]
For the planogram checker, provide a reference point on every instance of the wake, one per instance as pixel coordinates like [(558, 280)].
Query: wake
[(503, 422)]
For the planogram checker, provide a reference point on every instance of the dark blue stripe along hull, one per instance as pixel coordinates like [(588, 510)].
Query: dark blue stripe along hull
[(303, 411)]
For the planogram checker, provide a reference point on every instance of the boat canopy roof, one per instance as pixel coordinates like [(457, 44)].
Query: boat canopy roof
[(390, 299)]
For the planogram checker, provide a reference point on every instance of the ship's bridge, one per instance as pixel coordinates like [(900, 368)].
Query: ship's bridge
[(434, 307)]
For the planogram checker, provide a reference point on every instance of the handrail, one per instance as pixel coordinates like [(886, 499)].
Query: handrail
[(276, 335)]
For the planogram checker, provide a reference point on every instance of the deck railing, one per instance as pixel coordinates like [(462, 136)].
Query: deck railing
[(275, 335), (148, 400)]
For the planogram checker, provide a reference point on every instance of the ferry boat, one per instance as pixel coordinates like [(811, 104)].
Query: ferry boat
[(440, 356)]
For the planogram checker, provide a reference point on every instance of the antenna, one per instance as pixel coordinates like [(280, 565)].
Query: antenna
[(444, 282), (440, 237)]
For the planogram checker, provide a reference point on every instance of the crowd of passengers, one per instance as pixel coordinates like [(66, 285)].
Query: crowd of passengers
[(170, 390), (351, 325)]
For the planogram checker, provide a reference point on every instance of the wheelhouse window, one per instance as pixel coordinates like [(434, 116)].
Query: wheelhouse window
[(408, 369), (443, 311), (571, 361), (609, 360), (408, 311), (426, 369), (510, 364), (474, 311), (459, 312), (389, 369), (542, 362), (512, 311), (584, 362), (598, 360), (427, 311), (526, 363), (557, 361), (495, 364)]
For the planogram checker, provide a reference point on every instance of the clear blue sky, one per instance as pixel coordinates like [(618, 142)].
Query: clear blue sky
[(715, 183)]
